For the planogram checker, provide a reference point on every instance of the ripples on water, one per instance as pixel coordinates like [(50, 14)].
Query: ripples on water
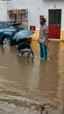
[(31, 82)]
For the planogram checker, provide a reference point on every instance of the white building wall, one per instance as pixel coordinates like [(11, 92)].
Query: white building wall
[(37, 8), (3, 10)]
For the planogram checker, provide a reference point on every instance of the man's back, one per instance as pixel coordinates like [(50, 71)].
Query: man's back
[(23, 45)]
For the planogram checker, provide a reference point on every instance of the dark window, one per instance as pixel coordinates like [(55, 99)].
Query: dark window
[(52, 17), (59, 17), (55, 17)]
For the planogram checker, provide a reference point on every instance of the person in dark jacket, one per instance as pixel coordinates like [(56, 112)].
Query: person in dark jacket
[(24, 46)]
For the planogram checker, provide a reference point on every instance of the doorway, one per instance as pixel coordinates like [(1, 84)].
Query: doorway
[(54, 23)]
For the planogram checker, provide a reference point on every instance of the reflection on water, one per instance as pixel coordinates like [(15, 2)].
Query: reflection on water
[(33, 83), (28, 82)]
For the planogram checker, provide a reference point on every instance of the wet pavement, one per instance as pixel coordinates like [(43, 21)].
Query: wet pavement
[(26, 84)]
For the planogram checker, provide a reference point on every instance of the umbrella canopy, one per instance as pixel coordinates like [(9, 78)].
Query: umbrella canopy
[(23, 34)]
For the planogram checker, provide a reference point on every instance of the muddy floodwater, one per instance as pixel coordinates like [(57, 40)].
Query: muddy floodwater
[(27, 83)]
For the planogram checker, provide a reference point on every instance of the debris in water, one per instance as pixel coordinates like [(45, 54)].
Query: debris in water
[(43, 111)]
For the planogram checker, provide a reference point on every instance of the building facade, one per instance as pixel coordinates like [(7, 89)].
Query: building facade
[(52, 10), (3, 10)]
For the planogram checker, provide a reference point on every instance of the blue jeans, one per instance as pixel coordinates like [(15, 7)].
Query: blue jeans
[(43, 51), (26, 50)]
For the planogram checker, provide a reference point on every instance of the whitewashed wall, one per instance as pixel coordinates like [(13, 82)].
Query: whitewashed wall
[(3, 10), (35, 9)]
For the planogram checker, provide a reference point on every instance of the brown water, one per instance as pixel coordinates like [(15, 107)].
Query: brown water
[(25, 84)]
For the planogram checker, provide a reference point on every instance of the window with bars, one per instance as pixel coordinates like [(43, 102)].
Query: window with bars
[(19, 16), (54, 17)]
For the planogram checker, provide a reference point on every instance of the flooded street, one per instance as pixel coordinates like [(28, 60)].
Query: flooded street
[(27, 83)]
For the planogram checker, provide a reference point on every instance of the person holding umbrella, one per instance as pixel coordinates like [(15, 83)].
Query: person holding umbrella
[(43, 39), (24, 47)]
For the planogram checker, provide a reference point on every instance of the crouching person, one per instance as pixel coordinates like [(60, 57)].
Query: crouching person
[(24, 47)]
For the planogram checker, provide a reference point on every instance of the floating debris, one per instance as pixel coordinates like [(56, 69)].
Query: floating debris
[(3, 67), (43, 111)]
